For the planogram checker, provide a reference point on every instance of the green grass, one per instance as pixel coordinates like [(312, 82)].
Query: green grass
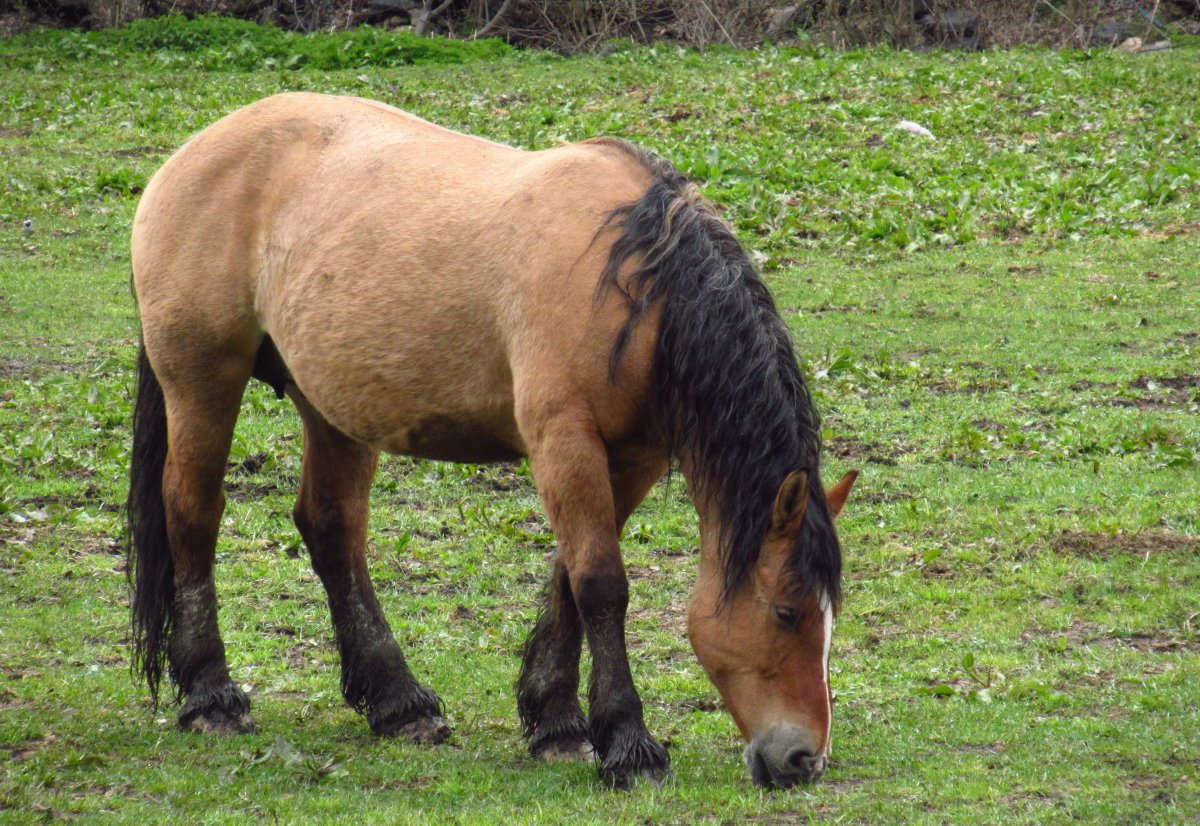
[(1002, 332)]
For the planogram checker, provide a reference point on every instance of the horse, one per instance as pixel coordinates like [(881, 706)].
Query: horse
[(427, 293)]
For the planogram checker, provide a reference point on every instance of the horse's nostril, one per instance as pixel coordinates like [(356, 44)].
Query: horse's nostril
[(799, 760)]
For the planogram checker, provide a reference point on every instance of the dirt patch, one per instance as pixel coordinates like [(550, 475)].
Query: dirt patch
[(138, 152), (501, 478), (15, 368), (250, 465), (949, 387), (1143, 543), (842, 786), (31, 369), (1186, 382), (305, 654), (822, 309), (15, 131), (1156, 643), (1026, 269), (1083, 633), (703, 705), (89, 499), (28, 748), (856, 450), (1087, 384), (240, 491), (1015, 798), (980, 748), (880, 498), (1160, 393)]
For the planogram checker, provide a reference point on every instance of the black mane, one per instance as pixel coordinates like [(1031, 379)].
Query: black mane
[(727, 389)]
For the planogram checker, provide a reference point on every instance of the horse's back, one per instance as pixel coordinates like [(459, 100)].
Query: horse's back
[(414, 280)]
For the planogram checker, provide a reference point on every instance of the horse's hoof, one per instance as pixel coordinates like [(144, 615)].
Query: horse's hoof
[(428, 731), (224, 711), (623, 781), (564, 751), (633, 758), (219, 723), (418, 716)]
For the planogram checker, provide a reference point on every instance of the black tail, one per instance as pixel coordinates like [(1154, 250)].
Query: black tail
[(150, 569)]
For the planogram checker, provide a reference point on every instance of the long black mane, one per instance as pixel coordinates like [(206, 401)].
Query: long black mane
[(727, 389)]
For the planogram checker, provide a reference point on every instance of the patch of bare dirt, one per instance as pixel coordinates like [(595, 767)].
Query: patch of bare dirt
[(15, 368), (856, 450), (304, 654), (1084, 633), (953, 387), (1026, 269), (500, 478), (1153, 643), (240, 490), (880, 498), (1143, 543), (704, 705), (1087, 384), (980, 748), (138, 151), (30, 747), (1160, 393)]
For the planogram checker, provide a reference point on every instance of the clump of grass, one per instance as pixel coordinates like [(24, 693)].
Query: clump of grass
[(214, 43)]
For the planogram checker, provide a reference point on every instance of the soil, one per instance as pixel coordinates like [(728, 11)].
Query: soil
[(856, 450), (1142, 544), (1083, 633)]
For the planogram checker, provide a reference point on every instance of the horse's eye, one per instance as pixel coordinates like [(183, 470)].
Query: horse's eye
[(785, 615)]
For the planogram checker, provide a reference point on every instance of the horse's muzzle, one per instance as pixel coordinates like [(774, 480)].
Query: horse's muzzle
[(776, 759)]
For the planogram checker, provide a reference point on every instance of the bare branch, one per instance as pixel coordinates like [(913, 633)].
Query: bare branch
[(491, 24), (425, 15), (717, 20)]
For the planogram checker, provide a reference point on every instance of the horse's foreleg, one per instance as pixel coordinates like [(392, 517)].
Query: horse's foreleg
[(548, 688), (200, 429), (570, 465), (331, 513)]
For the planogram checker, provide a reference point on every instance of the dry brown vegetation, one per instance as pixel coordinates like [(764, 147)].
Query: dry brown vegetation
[(589, 25)]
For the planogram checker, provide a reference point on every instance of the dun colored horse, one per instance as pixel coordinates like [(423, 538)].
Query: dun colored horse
[(422, 292)]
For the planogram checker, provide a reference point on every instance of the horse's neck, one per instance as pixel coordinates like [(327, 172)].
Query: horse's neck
[(704, 498)]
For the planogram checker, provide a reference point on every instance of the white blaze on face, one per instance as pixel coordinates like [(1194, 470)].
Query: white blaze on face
[(827, 625)]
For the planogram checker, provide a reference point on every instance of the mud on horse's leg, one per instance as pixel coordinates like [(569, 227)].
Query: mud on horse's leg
[(200, 430), (570, 466), (548, 688), (331, 513)]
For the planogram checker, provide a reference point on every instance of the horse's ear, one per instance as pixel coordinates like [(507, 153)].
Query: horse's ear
[(836, 496), (790, 503)]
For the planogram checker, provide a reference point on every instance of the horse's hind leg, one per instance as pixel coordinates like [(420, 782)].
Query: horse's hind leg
[(548, 688), (201, 413), (331, 513)]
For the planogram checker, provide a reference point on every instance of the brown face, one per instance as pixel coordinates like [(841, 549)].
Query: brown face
[(767, 651)]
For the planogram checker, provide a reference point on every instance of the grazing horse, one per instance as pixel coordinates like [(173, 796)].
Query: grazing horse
[(422, 292)]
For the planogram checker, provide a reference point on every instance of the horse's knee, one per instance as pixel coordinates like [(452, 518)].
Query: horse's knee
[(329, 530), (600, 590)]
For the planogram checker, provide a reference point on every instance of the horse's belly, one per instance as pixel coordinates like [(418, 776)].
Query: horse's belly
[(456, 438), (411, 410)]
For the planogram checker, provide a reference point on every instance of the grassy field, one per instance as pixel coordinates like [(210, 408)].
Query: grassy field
[(1002, 327)]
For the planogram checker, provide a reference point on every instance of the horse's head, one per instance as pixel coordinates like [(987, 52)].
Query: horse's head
[(766, 648)]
